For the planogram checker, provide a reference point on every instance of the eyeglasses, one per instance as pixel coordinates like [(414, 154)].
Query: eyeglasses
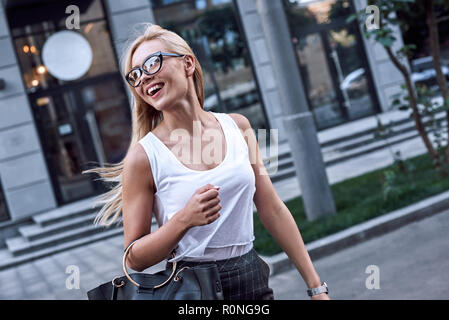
[(151, 65)]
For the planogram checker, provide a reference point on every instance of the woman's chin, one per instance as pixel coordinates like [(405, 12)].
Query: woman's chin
[(158, 106)]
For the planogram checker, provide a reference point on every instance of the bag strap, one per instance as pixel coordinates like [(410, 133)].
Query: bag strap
[(125, 271)]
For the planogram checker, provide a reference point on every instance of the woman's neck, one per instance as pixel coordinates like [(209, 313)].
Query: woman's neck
[(183, 115)]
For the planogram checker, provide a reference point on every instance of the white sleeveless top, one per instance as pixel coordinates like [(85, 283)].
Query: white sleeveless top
[(232, 233)]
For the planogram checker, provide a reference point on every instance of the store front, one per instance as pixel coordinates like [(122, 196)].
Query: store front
[(80, 106), (212, 28), (332, 60)]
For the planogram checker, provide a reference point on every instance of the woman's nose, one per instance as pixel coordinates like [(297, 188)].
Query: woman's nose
[(146, 78)]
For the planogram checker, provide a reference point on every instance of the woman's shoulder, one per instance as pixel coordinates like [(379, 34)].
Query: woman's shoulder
[(136, 159), (241, 121), (137, 165)]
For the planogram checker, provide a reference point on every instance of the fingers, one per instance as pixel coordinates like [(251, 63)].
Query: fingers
[(205, 188), (213, 217), (213, 206), (209, 195), (210, 202), (213, 210)]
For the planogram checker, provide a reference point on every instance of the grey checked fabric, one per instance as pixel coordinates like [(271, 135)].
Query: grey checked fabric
[(242, 278)]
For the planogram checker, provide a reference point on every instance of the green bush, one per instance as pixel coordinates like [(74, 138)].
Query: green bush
[(362, 198)]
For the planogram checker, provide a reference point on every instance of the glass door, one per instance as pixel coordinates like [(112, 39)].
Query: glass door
[(318, 81), (82, 127), (332, 60), (65, 137), (351, 72), (108, 118)]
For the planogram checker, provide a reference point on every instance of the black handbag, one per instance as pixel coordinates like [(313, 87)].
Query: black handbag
[(188, 283)]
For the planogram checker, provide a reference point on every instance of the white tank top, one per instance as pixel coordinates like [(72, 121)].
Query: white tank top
[(232, 233)]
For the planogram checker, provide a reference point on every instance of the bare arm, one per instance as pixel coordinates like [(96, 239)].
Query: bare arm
[(274, 214), (138, 195), (137, 201)]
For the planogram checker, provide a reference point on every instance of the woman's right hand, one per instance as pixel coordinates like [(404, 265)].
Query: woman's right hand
[(202, 208)]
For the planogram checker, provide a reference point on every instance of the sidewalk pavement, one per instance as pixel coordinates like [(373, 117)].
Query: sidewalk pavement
[(409, 263), (49, 277)]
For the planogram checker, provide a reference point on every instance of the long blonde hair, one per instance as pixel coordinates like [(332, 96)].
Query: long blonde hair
[(144, 117)]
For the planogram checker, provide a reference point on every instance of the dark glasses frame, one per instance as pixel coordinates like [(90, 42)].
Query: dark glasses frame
[(159, 54)]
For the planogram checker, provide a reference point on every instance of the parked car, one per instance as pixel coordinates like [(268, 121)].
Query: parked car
[(424, 73), (355, 83)]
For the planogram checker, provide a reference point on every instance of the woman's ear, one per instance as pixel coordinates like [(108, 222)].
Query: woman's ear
[(189, 65)]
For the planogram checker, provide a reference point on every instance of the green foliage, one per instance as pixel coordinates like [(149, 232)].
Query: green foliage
[(389, 189), (361, 199)]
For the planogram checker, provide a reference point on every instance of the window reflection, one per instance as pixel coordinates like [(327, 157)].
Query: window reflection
[(351, 73), (312, 12), (317, 77), (29, 39), (332, 60), (82, 123), (211, 29)]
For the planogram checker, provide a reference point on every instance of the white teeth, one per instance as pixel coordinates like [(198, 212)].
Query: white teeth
[(153, 88)]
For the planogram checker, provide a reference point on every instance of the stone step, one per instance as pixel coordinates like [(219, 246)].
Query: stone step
[(337, 156), (342, 148), (20, 245), (8, 260), (72, 210), (353, 135), (360, 140), (37, 231)]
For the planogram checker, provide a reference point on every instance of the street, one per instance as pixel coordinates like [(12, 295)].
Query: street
[(412, 264)]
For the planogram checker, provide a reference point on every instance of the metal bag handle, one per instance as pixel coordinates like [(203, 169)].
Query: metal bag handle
[(125, 271)]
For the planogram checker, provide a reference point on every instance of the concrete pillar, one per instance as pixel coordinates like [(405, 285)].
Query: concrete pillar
[(23, 172), (123, 17), (297, 119), (263, 64)]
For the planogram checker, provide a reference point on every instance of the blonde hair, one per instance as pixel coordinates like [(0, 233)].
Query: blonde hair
[(144, 117)]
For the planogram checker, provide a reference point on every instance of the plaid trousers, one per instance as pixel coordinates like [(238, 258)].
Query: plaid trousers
[(242, 278)]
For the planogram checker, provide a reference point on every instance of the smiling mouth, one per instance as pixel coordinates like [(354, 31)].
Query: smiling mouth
[(154, 90)]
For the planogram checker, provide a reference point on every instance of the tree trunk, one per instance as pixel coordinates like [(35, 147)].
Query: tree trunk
[(414, 105), (435, 50)]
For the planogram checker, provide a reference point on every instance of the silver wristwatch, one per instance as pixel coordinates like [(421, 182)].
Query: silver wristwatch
[(318, 290)]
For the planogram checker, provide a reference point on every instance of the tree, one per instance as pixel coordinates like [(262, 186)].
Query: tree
[(384, 35), (432, 25)]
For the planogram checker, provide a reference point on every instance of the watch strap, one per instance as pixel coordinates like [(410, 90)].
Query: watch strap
[(318, 290)]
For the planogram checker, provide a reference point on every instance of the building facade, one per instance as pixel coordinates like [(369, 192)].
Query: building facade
[(59, 117)]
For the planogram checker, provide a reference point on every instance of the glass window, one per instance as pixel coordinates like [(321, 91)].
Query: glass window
[(332, 61), (43, 16), (83, 122), (211, 29), (29, 40), (309, 13)]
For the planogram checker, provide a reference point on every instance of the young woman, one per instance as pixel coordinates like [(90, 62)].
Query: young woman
[(203, 207)]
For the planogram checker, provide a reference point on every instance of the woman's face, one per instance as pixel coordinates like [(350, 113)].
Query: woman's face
[(172, 77)]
